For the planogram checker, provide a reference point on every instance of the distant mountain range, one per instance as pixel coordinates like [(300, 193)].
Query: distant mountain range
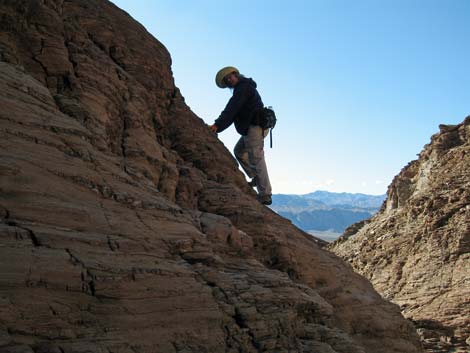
[(326, 214)]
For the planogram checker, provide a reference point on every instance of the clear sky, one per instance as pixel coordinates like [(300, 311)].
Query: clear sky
[(358, 86)]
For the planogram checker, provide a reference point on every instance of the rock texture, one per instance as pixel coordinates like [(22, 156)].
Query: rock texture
[(126, 225), (416, 250)]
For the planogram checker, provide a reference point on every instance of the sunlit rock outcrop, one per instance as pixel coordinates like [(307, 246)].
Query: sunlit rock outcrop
[(416, 250)]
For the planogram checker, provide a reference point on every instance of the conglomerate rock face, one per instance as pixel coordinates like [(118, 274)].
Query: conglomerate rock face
[(416, 250), (126, 225)]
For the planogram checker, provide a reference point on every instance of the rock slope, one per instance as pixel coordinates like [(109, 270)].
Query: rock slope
[(416, 250), (126, 225)]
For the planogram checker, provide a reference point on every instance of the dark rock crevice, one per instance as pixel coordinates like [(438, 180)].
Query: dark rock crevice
[(36, 59), (34, 240), (236, 331), (5, 214), (88, 280)]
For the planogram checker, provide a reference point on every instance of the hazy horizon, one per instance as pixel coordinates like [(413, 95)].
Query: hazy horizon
[(332, 192)]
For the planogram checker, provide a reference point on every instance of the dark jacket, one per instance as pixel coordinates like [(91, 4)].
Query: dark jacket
[(245, 102)]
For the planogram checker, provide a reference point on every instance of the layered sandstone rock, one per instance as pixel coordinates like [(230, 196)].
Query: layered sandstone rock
[(416, 250), (126, 225)]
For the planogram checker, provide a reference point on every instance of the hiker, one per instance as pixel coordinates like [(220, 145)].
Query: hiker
[(242, 109)]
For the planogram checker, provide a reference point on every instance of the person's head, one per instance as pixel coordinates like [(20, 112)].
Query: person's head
[(231, 79), (227, 77)]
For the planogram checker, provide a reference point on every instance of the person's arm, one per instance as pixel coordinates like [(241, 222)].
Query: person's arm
[(232, 108)]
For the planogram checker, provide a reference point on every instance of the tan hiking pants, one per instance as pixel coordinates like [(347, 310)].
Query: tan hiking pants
[(249, 152)]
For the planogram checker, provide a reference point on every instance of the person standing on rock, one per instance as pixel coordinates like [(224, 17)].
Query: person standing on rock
[(242, 109)]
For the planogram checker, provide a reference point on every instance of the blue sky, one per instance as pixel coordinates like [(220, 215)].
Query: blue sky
[(358, 86)]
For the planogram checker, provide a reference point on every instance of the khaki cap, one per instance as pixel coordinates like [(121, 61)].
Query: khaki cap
[(219, 78)]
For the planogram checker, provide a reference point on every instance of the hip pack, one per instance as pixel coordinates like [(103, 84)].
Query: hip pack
[(266, 119)]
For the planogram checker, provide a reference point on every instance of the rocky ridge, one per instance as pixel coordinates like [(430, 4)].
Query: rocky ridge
[(416, 250), (126, 225)]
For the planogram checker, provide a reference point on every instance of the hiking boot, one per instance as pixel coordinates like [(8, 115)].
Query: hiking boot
[(265, 199), (253, 182)]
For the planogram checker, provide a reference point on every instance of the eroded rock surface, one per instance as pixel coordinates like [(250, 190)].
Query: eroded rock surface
[(126, 225), (416, 250)]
